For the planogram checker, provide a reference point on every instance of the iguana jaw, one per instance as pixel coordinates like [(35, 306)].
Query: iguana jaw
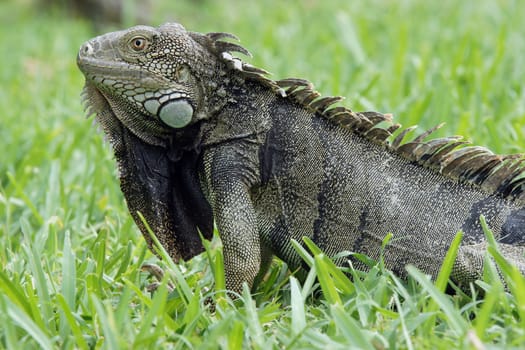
[(105, 109), (101, 72)]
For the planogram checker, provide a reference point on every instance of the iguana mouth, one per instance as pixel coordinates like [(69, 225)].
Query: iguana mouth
[(105, 73)]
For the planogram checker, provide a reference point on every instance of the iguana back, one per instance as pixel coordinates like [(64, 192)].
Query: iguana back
[(201, 136)]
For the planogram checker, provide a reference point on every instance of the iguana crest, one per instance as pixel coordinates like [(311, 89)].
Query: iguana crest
[(503, 175)]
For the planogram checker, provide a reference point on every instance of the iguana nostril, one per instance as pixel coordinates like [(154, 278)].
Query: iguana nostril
[(86, 49)]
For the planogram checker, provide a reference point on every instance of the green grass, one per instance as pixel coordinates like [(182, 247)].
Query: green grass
[(70, 255)]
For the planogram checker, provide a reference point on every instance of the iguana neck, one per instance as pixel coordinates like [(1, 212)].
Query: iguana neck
[(240, 115)]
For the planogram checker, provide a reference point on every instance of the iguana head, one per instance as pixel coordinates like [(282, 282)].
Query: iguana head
[(152, 78)]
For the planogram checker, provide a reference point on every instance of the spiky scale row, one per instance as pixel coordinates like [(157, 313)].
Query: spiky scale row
[(215, 36), (499, 174)]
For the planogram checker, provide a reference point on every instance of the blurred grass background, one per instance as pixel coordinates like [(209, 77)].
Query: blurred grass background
[(68, 248)]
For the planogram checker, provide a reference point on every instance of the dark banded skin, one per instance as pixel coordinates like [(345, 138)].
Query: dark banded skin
[(202, 137)]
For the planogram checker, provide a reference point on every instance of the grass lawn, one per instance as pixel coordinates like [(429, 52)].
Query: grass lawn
[(71, 257)]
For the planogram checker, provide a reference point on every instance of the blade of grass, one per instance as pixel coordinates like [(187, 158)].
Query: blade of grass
[(77, 331), (341, 281), (235, 335), (483, 316), (42, 306), (69, 272), (27, 324), (158, 304), (448, 263), (68, 282), (216, 262), (105, 317), (14, 293), (404, 330), (123, 315), (515, 280), (181, 284), (25, 198), (8, 332), (442, 280), (308, 285), (297, 315), (193, 311), (143, 298), (312, 246), (303, 253), (458, 324), (349, 328), (252, 319), (125, 260), (325, 280)]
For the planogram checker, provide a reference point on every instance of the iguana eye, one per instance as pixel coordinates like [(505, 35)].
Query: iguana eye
[(138, 43)]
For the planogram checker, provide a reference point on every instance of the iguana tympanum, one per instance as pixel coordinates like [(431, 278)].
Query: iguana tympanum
[(202, 137)]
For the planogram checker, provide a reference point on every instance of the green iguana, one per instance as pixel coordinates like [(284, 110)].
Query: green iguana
[(202, 137)]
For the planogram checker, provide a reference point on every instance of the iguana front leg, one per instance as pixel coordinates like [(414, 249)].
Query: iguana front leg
[(230, 177), (236, 222)]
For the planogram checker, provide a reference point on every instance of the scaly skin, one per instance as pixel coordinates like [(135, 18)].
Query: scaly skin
[(202, 137)]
